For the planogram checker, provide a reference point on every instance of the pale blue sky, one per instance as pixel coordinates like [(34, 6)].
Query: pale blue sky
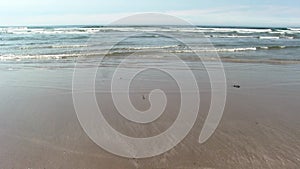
[(199, 12)]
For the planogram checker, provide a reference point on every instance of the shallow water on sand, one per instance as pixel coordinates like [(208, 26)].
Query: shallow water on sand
[(259, 129)]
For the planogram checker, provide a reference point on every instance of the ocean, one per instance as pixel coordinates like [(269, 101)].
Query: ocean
[(61, 44)]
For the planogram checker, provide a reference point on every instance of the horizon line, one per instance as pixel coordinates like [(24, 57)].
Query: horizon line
[(150, 25)]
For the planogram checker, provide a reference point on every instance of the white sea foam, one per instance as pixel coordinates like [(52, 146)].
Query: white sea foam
[(217, 50), (294, 29), (253, 30), (152, 47), (269, 37), (271, 47), (50, 56), (230, 36), (92, 30), (235, 49), (19, 30), (52, 46)]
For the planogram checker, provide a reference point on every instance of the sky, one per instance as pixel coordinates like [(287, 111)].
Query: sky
[(276, 13)]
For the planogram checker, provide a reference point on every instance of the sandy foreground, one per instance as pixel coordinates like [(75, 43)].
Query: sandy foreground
[(260, 127)]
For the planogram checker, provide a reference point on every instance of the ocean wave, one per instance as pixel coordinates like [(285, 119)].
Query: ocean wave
[(227, 30), (253, 30), (174, 49), (123, 51), (294, 29), (151, 47), (276, 47), (229, 36), (271, 47), (52, 46), (266, 61), (46, 56), (217, 50), (269, 37), (20, 57), (66, 30), (95, 29), (236, 49), (146, 36), (251, 36), (70, 56), (27, 30)]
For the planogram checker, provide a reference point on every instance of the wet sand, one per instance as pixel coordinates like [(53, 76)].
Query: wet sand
[(260, 127)]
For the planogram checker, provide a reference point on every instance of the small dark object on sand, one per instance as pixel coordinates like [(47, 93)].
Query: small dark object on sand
[(237, 86), (144, 97)]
